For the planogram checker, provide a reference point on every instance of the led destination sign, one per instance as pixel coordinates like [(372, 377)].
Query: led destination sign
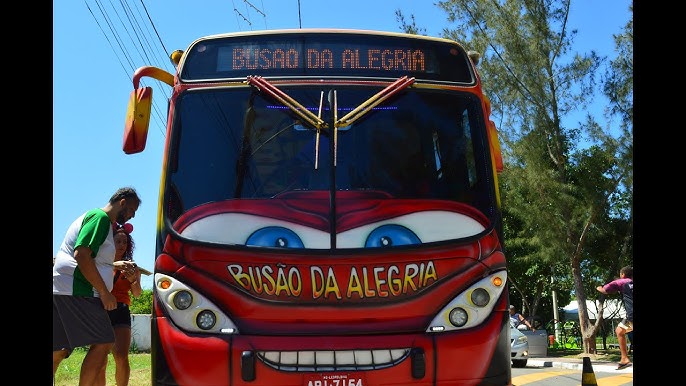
[(326, 54), (256, 58)]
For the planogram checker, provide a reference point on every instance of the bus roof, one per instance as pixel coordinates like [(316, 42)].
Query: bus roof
[(327, 31)]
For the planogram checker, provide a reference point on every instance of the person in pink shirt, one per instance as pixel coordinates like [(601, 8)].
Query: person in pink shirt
[(625, 286)]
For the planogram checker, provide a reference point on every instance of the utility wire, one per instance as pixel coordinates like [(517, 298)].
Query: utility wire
[(115, 35), (153, 27), (241, 15), (264, 15), (246, 14), (161, 56), (253, 7), (139, 43), (107, 38), (300, 21)]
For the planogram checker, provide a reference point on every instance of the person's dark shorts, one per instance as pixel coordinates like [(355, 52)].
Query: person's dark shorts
[(120, 316), (79, 321)]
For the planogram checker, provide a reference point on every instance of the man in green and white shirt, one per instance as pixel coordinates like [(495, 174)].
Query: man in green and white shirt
[(82, 280)]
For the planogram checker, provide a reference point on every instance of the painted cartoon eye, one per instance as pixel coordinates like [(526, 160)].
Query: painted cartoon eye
[(391, 235), (409, 229), (257, 231), (275, 237)]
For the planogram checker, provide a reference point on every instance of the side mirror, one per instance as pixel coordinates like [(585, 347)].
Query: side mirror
[(137, 120)]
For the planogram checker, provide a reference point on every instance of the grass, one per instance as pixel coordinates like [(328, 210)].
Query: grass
[(68, 372), (610, 355)]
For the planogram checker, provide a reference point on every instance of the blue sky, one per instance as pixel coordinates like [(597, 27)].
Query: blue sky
[(92, 82)]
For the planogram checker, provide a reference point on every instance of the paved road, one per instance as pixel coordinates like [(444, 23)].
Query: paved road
[(571, 372)]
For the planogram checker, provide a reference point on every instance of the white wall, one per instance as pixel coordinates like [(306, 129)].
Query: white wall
[(140, 332), (613, 309)]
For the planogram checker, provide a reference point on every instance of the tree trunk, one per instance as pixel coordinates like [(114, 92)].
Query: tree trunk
[(587, 329), (588, 338)]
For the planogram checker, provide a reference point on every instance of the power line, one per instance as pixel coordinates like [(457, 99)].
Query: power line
[(245, 15), (138, 43), (300, 21), (153, 27), (241, 15), (107, 38), (265, 16), (253, 7)]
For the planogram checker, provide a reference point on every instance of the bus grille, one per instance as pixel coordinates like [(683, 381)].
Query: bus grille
[(332, 360)]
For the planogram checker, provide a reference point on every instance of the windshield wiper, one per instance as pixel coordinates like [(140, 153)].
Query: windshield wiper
[(315, 121), (335, 127), (316, 142), (374, 101), (264, 85)]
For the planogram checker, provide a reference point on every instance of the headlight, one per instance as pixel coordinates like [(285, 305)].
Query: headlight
[(183, 300), (189, 309), (458, 317), (206, 319), (480, 297), (471, 306)]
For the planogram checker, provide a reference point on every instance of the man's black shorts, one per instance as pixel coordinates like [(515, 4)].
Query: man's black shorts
[(120, 316), (79, 321)]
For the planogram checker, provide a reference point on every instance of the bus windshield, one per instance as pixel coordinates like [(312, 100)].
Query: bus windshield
[(420, 144)]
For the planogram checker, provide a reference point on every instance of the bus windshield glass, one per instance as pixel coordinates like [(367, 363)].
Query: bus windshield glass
[(419, 145)]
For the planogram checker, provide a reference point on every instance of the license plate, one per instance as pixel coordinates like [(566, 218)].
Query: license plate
[(335, 379)]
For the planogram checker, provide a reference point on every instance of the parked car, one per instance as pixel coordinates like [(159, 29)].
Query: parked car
[(519, 347), (538, 340)]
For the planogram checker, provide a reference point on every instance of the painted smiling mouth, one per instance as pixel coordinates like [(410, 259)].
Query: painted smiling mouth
[(333, 360)]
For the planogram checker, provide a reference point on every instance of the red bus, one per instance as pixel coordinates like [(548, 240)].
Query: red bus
[(329, 213)]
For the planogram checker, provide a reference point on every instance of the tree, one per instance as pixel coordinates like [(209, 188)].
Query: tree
[(618, 88), (408, 28), (565, 187), (143, 303)]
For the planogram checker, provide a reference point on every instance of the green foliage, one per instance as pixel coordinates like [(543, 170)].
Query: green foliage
[(567, 188), (142, 304), (410, 28), (619, 77)]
